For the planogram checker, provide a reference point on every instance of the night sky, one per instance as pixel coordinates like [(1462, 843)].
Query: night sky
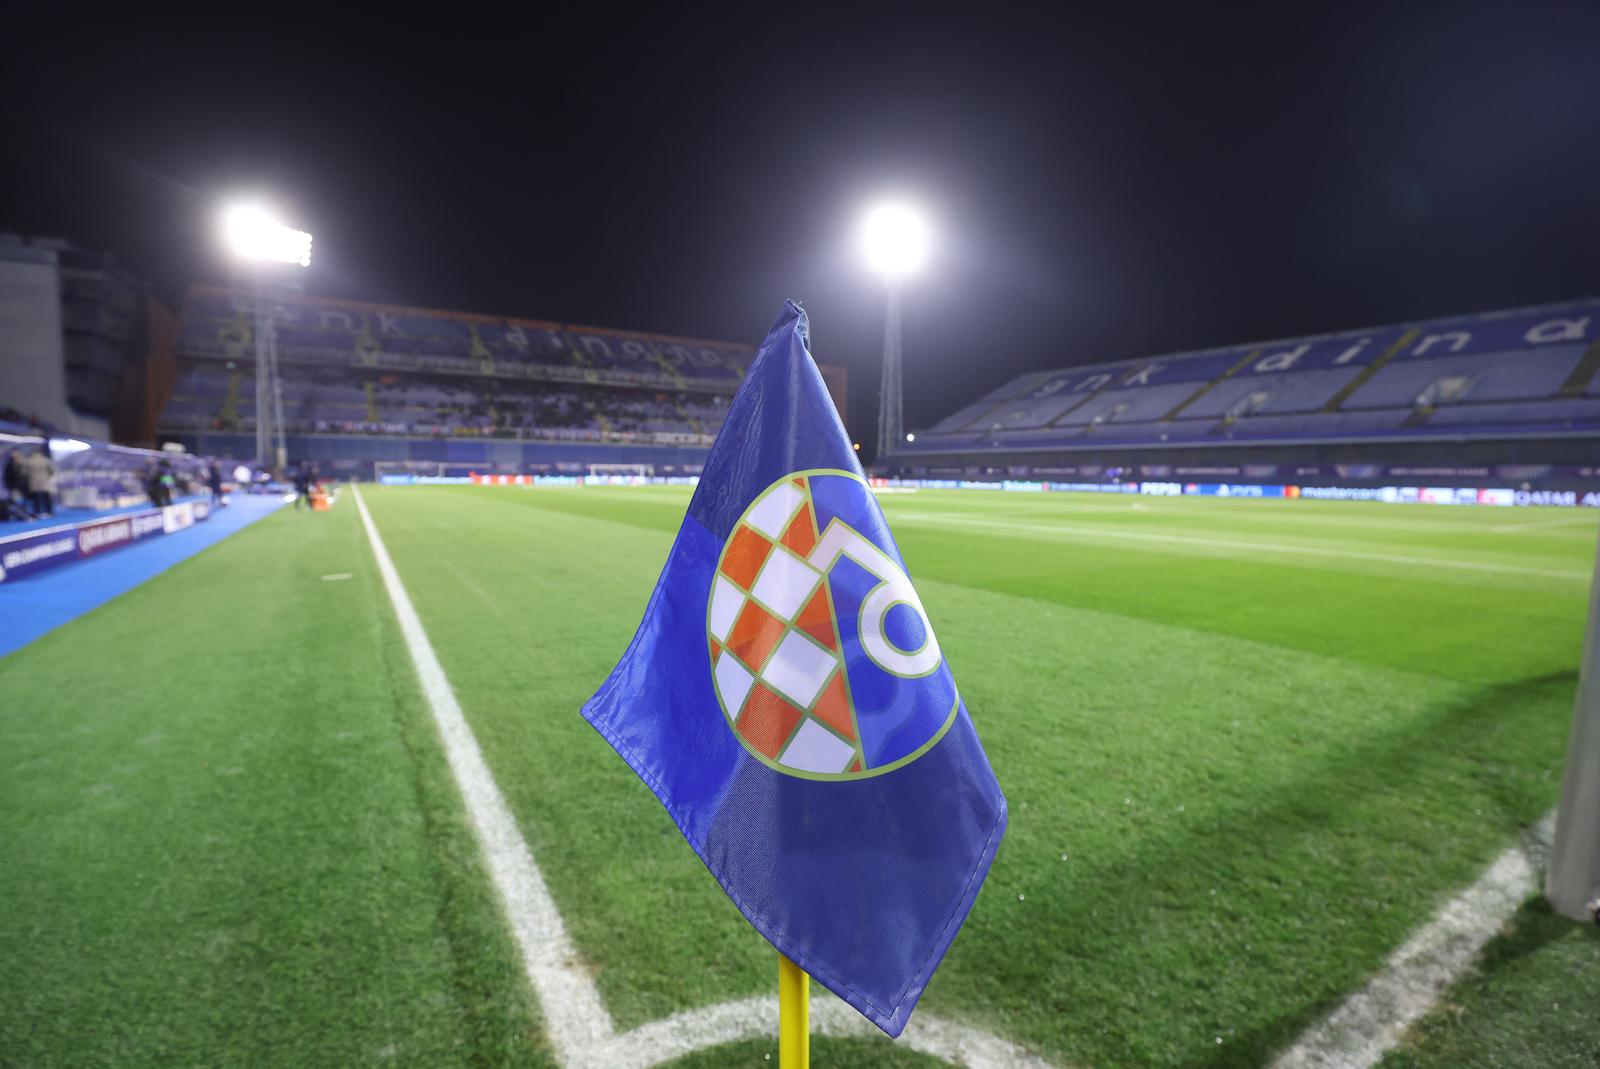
[(1103, 183)]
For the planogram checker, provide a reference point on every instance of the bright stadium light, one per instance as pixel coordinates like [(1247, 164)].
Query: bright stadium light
[(253, 233), (894, 239), (911, 437), (269, 253)]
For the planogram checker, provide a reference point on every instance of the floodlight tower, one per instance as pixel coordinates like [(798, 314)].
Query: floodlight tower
[(273, 254), (895, 241)]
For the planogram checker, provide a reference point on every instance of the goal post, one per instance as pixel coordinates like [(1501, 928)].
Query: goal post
[(380, 468), (620, 474), (425, 470)]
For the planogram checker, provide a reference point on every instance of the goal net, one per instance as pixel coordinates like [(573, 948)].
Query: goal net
[(421, 470), (620, 474)]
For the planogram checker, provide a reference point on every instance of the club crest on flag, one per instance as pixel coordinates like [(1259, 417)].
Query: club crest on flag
[(822, 655)]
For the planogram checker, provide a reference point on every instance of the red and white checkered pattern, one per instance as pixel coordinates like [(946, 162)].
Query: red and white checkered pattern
[(774, 646)]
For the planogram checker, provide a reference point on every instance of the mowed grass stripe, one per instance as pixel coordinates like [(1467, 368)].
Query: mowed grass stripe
[(1247, 830), (1436, 527), (1326, 553), (230, 837), (1331, 802), (1354, 535), (1414, 621)]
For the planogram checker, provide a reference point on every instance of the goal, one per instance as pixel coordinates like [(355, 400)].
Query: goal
[(421, 470), (620, 474)]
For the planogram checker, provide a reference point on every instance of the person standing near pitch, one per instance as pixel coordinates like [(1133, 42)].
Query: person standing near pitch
[(305, 476), (41, 475)]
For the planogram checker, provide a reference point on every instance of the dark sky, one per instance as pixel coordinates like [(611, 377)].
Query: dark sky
[(1106, 182)]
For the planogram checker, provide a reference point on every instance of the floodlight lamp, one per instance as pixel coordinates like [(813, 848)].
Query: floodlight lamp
[(251, 232), (894, 239), (911, 437)]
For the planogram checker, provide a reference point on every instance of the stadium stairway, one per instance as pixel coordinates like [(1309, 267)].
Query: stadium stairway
[(1210, 384), (1349, 388), (1418, 417), (1577, 383), (230, 404), (693, 421)]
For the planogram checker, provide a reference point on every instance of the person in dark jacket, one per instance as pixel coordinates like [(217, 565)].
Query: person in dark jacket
[(14, 505), (166, 480), (151, 479), (214, 482), (304, 476)]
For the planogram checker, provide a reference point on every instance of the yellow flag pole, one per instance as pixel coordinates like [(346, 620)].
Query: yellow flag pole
[(794, 1016)]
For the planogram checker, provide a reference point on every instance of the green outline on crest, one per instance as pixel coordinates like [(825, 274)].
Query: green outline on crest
[(927, 636), (865, 773)]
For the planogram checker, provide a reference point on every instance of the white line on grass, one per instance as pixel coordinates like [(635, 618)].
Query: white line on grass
[(1123, 533), (672, 1037), (580, 1029), (1371, 1021), (1565, 521), (571, 1005)]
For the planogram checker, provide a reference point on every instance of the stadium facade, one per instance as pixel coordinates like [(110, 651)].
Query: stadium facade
[(1508, 398), (77, 331)]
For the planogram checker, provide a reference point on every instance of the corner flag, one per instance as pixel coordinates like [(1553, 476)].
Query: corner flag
[(787, 700)]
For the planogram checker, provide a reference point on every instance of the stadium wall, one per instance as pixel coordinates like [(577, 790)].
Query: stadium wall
[(36, 550), (32, 372), (148, 383), (1562, 449), (1563, 464)]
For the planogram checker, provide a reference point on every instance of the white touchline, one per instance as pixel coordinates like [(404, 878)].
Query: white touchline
[(569, 1001), (579, 1028), (1254, 547), (1371, 1021)]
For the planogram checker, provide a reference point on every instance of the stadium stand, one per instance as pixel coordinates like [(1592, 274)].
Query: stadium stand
[(1500, 387), (366, 382)]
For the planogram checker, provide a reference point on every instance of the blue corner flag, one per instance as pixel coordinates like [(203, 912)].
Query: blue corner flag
[(786, 699)]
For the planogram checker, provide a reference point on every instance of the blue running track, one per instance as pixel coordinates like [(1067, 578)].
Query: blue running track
[(38, 604)]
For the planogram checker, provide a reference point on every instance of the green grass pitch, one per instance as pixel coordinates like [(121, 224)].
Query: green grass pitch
[(1249, 746)]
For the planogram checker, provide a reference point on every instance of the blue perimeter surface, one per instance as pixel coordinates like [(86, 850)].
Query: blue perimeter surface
[(65, 516), (39, 604)]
